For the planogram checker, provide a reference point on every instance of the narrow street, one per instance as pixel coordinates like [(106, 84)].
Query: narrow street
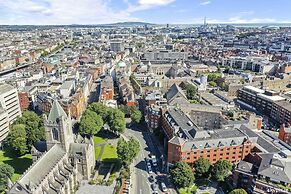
[(140, 175)]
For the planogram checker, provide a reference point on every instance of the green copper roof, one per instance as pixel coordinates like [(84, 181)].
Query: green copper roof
[(56, 112)]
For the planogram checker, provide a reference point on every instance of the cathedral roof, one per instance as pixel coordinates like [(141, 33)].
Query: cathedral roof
[(42, 167), (56, 112)]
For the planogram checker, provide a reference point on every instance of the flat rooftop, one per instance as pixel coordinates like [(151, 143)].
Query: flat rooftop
[(5, 88), (257, 90)]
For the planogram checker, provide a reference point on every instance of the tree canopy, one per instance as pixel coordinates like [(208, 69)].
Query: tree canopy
[(33, 126), (99, 109), (202, 166), (116, 120), (213, 77), (135, 114), (17, 139), (212, 84), (191, 92), (238, 191), (127, 150), (90, 123), (221, 169), (6, 172), (182, 175)]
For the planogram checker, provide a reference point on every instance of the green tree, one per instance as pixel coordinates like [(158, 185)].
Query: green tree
[(202, 166), (224, 86), (116, 120), (221, 169), (238, 191), (213, 77), (99, 109), (135, 115), (126, 110), (191, 91), (6, 172), (212, 84), (33, 126), (182, 175), (127, 150), (90, 123), (17, 139)]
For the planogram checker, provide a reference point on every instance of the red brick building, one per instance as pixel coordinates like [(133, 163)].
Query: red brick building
[(107, 89), (24, 101), (188, 151), (285, 134), (188, 142)]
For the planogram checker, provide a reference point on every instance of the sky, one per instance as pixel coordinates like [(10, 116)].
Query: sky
[(49, 12)]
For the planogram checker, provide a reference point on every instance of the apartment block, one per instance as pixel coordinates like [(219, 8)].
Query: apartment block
[(188, 142), (257, 99), (10, 108), (281, 112)]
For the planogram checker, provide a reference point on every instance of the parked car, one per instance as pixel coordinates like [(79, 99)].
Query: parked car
[(163, 186), (151, 179), (154, 160), (154, 187), (150, 170)]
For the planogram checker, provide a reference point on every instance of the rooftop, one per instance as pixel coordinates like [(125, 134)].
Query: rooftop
[(5, 88), (42, 167), (252, 88)]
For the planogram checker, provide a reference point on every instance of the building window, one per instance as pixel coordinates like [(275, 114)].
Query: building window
[(55, 134)]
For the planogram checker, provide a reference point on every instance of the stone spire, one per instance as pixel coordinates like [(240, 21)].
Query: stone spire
[(56, 112)]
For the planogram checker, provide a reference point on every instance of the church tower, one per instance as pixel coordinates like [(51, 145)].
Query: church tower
[(58, 127)]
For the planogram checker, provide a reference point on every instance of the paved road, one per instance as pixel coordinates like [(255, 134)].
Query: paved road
[(140, 181)]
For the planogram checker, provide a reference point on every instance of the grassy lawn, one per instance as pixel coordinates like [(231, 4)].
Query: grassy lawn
[(109, 153), (98, 140), (20, 164), (97, 151), (188, 190)]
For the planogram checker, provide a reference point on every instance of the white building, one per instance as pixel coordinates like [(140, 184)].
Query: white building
[(9, 109)]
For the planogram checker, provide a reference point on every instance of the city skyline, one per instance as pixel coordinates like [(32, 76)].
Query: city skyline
[(49, 12)]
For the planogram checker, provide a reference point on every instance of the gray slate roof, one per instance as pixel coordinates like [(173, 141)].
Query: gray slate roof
[(42, 167), (275, 167), (174, 92), (56, 112)]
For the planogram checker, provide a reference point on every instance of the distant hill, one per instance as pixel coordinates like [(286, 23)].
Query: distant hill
[(128, 24)]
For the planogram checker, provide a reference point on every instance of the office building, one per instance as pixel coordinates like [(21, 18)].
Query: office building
[(257, 99), (116, 45), (9, 108)]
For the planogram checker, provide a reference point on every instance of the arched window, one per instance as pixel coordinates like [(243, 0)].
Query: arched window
[(55, 134)]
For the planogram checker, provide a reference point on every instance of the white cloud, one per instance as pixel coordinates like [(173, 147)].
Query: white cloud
[(205, 3), (61, 12), (252, 20), (155, 2), (147, 4)]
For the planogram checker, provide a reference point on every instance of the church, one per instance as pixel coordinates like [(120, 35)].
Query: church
[(61, 162)]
